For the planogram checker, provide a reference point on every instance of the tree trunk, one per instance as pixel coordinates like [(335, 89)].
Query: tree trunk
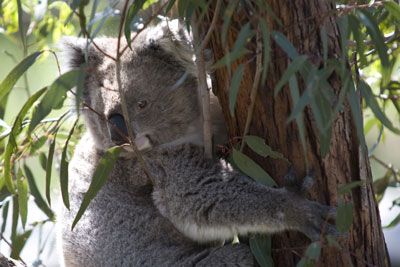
[(344, 163)]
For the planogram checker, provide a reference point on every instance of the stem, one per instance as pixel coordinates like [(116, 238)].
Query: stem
[(124, 106), (203, 90), (254, 89)]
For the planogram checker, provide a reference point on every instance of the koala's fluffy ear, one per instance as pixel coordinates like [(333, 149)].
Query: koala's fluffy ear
[(76, 51)]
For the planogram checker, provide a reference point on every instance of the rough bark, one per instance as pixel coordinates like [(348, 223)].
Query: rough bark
[(302, 19)]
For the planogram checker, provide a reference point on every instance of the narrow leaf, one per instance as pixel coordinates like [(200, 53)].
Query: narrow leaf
[(234, 88), (266, 49), (371, 101), (257, 144), (22, 189), (294, 66), (261, 248), (64, 168), (4, 216), (230, 9), (252, 169), (393, 8), (313, 251), (8, 83), (103, 169), (343, 189), (54, 97), (394, 222), (135, 7), (284, 43), (49, 165), (344, 217), (40, 202)]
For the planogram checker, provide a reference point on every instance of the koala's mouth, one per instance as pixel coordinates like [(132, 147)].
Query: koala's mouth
[(142, 142)]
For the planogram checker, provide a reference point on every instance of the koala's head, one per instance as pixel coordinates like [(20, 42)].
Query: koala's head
[(158, 82)]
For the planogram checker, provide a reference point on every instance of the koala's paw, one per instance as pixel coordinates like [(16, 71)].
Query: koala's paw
[(298, 185), (315, 219)]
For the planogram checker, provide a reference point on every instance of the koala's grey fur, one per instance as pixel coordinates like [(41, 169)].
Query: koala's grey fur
[(195, 204)]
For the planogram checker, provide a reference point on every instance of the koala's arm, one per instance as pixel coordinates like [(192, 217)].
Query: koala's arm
[(223, 204)]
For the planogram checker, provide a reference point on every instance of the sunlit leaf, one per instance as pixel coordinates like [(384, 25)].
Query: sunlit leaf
[(54, 97), (19, 242), (40, 202), (376, 35), (257, 144), (252, 169), (135, 7), (234, 88), (49, 167), (8, 83), (103, 169), (346, 188), (371, 101), (394, 222), (4, 215), (64, 168), (15, 131), (22, 189)]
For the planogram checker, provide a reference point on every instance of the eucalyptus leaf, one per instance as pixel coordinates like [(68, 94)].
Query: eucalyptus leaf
[(22, 189), (346, 188), (285, 44), (103, 169), (234, 88), (135, 7), (313, 251), (257, 144), (40, 202), (344, 217), (296, 65), (260, 246), (8, 83), (252, 169)]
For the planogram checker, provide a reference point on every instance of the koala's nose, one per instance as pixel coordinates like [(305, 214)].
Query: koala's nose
[(118, 130)]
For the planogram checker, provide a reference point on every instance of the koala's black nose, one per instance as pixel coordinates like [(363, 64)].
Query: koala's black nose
[(118, 131)]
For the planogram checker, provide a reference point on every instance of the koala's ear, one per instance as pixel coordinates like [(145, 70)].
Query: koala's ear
[(76, 52)]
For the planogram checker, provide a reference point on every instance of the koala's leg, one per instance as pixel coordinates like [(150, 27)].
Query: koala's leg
[(218, 207)]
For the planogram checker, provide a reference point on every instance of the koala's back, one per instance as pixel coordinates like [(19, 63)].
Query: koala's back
[(122, 227)]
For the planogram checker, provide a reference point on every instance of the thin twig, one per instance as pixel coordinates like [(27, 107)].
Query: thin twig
[(212, 26), (202, 89), (254, 88), (124, 106)]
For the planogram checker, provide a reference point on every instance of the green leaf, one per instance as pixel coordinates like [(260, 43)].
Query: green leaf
[(332, 242), (22, 189), (394, 222), (296, 65), (371, 101), (376, 35), (229, 10), (42, 160), (295, 93), (36, 194), (103, 169), (64, 168), (313, 251), (169, 6), (54, 97), (266, 49), (356, 112), (18, 243), (135, 7), (284, 43), (257, 144), (346, 188), (344, 217), (252, 169), (4, 216), (358, 37), (234, 88), (393, 8), (8, 83), (49, 165), (239, 48), (260, 246), (15, 131)]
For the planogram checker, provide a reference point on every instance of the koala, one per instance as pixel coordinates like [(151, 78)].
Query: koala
[(192, 207)]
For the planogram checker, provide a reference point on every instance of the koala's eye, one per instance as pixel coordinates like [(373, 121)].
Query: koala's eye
[(142, 104)]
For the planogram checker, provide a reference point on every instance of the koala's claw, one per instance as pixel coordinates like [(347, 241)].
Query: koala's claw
[(297, 185)]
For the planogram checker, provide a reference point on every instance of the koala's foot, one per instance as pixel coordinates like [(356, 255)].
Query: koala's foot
[(313, 218)]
